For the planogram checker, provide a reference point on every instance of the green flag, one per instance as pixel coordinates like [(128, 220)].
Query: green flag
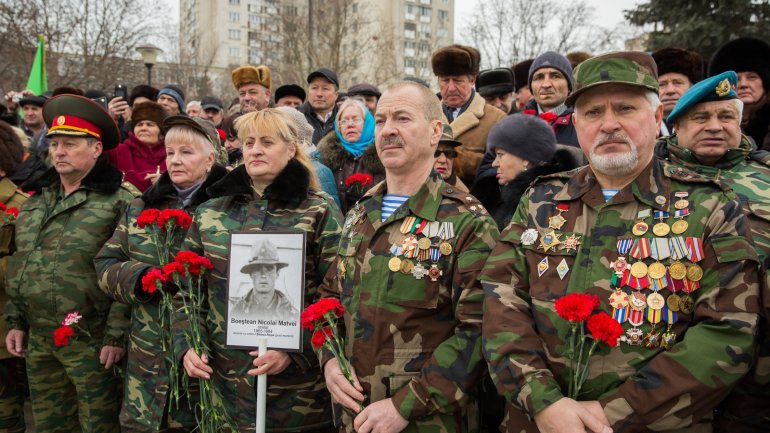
[(38, 82)]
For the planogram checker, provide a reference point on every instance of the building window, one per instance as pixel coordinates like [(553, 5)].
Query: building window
[(442, 33), (235, 2), (234, 17), (443, 15), (234, 35), (235, 52)]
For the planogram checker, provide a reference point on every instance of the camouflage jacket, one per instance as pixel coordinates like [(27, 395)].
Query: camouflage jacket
[(297, 397), (11, 197), (416, 341), (120, 265), (52, 272), (640, 388), (747, 173)]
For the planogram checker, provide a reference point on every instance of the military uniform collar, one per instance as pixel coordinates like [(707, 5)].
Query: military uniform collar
[(647, 187), (685, 157), (424, 203)]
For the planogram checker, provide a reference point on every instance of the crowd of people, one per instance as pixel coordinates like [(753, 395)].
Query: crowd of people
[(451, 226)]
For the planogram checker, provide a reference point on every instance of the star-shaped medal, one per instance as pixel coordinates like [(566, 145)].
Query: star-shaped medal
[(549, 240), (571, 243)]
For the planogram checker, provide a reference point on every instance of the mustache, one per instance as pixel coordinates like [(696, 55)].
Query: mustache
[(391, 141), (615, 136)]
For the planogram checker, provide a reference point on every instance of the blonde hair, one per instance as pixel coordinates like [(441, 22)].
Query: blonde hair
[(185, 134), (355, 103), (272, 122)]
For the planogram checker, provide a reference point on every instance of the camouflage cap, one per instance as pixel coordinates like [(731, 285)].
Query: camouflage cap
[(203, 127), (634, 68)]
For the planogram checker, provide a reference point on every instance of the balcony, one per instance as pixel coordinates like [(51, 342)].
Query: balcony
[(409, 17), (409, 34), (425, 18)]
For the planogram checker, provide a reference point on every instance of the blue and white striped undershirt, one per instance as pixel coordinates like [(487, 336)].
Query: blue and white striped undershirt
[(391, 202), (609, 193)]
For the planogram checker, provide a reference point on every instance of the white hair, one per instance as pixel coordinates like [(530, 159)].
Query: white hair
[(194, 104), (653, 99), (739, 105)]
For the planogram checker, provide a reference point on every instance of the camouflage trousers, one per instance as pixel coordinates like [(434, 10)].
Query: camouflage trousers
[(11, 396), (70, 390)]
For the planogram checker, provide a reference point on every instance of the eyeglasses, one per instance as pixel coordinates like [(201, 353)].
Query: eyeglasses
[(354, 121), (449, 153)]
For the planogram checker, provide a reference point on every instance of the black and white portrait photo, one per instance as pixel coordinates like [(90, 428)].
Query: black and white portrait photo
[(265, 289)]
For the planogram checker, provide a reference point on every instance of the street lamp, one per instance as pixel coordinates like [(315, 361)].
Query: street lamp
[(149, 55)]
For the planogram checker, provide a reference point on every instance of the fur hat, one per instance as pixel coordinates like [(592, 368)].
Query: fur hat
[(143, 91), (684, 62), (521, 74), (576, 57), (68, 90), (741, 55), (251, 75), (455, 60), (11, 151), (148, 110)]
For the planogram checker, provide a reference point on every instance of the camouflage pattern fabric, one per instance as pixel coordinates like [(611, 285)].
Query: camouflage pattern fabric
[(747, 173), (52, 274), (640, 388), (416, 341), (120, 265), (11, 389), (297, 398)]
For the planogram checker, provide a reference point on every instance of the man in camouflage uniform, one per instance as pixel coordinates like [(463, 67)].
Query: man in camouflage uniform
[(262, 299), (708, 140), (667, 252), (74, 210), (406, 275)]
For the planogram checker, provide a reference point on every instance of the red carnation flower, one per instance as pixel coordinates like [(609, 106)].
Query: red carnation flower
[(2, 206), (152, 281), (203, 264), (326, 305), (548, 116), (61, 337), (529, 112), (604, 328), (169, 269), (147, 217), (360, 178), (13, 212), (320, 336), (169, 218), (576, 307)]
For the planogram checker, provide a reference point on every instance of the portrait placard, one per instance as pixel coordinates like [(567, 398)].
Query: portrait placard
[(265, 290)]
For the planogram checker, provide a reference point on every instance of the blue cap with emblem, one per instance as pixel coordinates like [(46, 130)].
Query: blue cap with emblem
[(720, 87)]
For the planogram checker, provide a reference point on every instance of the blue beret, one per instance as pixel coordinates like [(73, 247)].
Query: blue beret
[(720, 87)]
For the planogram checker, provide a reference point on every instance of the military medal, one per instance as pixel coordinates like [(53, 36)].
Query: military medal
[(406, 266), (661, 229), (562, 269), (638, 301), (431, 229), (656, 270), (635, 335), (394, 264), (557, 221), (409, 246), (639, 269), (419, 271), (679, 227), (668, 338), (677, 270), (571, 243), (655, 301), (641, 227), (542, 266), (529, 236), (434, 272), (618, 299), (445, 248), (423, 244), (620, 266), (672, 302), (652, 339), (409, 224), (686, 304), (620, 314), (682, 203), (549, 240)]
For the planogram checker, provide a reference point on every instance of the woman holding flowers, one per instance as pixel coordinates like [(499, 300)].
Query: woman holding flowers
[(274, 189), (148, 236), (349, 151)]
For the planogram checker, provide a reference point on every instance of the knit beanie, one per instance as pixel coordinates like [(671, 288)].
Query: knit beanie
[(528, 137), (550, 59), (304, 128), (175, 92)]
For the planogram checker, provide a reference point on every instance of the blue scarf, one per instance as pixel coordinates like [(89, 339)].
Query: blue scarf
[(366, 138)]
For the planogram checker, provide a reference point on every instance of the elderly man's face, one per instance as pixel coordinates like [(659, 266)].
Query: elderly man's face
[(750, 87), (549, 87), (710, 129), (263, 277), (253, 97), (289, 101), (501, 101), (169, 104), (445, 155), (672, 87), (216, 116), (456, 89), (616, 127), (322, 94), (404, 137), (73, 157)]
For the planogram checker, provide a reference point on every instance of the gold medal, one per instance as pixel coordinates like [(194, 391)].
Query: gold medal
[(686, 304), (423, 244), (640, 228), (639, 269), (694, 273), (556, 222), (445, 248), (677, 270), (661, 229), (656, 270), (394, 264), (638, 302), (673, 302), (681, 204), (679, 227), (549, 240), (656, 301), (619, 299), (406, 266)]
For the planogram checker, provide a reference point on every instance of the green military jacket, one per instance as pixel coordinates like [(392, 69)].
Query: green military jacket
[(747, 173), (120, 265), (415, 340), (11, 197), (297, 398), (52, 272), (641, 388)]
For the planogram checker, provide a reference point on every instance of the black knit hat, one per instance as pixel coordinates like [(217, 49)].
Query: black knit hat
[(526, 136), (494, 82), (684, 62), (743, 55), (551, 59)]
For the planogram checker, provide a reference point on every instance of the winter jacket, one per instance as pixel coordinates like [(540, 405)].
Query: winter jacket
[(297, 397), (137, 159), (10, 197), (120, 265), (320, 128)]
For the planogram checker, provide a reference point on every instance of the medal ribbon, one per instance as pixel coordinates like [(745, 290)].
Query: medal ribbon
[(695, 247), (661, 214), (635, 250), (678, 247), (653, 316), (682, 213), (406, 226), (644, 213), (635, 318), (432, 229), (676, 285), (434, 254), (620, 314), (659, 249), (641, 283), (420, 226), (624, 245), (669, 316)]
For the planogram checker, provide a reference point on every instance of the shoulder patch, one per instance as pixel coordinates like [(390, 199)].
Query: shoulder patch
[(685, 175), (128, 186), (470, 202)]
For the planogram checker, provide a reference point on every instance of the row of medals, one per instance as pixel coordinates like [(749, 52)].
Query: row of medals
[(632, 307), (424, 241)]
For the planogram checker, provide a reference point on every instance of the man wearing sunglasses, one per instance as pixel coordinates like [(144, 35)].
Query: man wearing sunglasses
[(445, 155)]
